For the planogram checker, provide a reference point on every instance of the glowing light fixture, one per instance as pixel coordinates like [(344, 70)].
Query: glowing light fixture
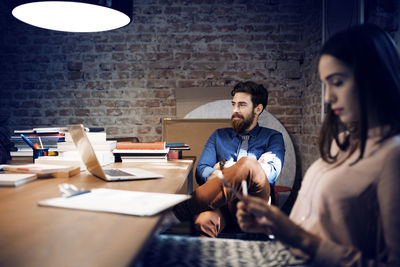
[(75, 16)]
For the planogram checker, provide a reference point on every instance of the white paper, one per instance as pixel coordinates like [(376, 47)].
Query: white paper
[(118, 201)]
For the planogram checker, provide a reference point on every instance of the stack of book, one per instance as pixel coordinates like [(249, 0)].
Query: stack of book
[(45, 137), (141, 152), (175, 150), (69, 155)]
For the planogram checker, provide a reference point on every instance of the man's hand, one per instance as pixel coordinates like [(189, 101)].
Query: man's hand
[(217, 166), (266, 157), (229, 163)]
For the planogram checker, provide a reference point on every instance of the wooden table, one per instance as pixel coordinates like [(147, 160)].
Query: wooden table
[(31, 235)]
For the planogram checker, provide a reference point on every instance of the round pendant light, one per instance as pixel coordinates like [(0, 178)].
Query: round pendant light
[(75, 16)]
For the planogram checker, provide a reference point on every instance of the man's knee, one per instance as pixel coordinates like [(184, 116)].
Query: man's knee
[(249, 164), (247, 161)]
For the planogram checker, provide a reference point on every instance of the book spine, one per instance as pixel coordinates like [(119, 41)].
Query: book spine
[(130, 145)]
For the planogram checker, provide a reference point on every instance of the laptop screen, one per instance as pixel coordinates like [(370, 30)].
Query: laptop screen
[(86, 150)]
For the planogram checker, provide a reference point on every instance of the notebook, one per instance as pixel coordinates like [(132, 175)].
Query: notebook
[(16, 179), (89, 158)]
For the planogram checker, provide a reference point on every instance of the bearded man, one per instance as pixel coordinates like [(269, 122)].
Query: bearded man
[(245, 138), (244, 152)]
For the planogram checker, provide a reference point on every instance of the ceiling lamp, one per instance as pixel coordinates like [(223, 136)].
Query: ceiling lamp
[(74, 16)]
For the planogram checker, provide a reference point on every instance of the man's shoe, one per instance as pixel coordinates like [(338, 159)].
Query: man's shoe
[(168, 220)]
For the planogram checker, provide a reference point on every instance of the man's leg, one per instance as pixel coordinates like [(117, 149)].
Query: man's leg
[(213, 195)]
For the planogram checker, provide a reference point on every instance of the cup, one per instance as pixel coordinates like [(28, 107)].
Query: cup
[(40, 153)]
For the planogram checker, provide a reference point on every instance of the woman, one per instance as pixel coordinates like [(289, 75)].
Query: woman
[(348, 208)]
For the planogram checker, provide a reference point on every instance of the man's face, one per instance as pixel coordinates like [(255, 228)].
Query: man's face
[(243, 114)]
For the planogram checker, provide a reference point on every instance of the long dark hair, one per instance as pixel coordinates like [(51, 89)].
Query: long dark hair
[(373, 56)]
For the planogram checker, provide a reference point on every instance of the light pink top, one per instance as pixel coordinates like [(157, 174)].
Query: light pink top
[(355, 209)]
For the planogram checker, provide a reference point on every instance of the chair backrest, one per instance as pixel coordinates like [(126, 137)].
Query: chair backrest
[(222, 109), (193, 132)]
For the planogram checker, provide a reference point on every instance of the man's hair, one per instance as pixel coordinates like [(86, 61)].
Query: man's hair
[(259, 94)]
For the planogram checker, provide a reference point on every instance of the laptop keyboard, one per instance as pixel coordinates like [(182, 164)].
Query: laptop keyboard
[(117, 172)]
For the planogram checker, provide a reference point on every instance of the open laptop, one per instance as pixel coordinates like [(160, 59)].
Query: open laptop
[(88, 155)]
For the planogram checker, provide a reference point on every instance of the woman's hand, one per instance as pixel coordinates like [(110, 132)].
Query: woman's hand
[(249, 219), (256, 216)]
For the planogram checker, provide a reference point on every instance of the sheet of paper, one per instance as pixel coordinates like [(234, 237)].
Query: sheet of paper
[(118, 201)]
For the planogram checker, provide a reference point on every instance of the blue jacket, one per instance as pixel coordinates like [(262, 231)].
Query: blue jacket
[(225, 143)]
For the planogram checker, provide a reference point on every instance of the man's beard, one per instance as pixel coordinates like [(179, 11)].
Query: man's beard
[(240, 126)]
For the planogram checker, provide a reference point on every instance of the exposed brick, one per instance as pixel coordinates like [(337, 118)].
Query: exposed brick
[(74, 66), (82, 112), (114, 112), (144, 129), (63, 112), (75, 75)]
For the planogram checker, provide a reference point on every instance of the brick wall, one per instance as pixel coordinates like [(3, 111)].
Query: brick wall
[(124, 80)]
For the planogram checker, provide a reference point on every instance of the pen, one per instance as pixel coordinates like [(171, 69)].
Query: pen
[(78, 193), (70, 190), (41, 144), (28, 141), (244, 188), (228, 184)]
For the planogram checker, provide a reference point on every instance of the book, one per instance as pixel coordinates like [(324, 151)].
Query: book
[(104, 157), (50, 129), (58, 160), (41, 130), (144, 159), (22, 153), (35, 138), (141, 151), (94, 137), (70, 146), (147, 146), (178, 146), (94, 129), (43, 170), (16, 179), (26, 131)]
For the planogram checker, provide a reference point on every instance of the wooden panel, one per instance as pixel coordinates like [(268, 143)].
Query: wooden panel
[(194, 132), (188, 99)]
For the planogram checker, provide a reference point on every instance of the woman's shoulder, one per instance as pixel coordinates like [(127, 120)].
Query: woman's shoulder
[(391, 146)]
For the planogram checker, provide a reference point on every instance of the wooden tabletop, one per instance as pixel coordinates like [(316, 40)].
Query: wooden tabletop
[(31, 235)]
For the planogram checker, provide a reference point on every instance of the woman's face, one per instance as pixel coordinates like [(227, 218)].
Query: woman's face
[(340, 88)]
